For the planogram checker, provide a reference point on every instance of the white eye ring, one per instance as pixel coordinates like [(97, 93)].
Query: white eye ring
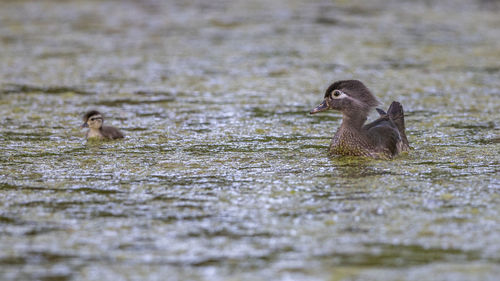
[(337, 94)]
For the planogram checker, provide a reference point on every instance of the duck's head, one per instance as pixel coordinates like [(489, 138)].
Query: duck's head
[(351, 97), (92, 119)]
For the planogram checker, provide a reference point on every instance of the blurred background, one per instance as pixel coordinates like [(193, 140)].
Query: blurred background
[(223, 175)]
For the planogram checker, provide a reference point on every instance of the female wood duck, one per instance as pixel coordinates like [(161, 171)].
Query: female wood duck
[(383, 138), (93, 120)]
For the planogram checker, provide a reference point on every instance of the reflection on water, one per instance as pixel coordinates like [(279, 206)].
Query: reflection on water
[(223, 173)]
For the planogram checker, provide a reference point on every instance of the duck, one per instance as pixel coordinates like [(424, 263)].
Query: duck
[(383, 138), (93, 120)]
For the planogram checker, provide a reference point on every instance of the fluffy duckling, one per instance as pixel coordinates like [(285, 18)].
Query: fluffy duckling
[(93, 120), (383, 138)]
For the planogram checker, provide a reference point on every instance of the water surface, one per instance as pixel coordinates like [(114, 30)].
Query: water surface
[(223, 175)]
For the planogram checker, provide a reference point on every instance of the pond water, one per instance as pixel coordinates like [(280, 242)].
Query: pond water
[(223, 175)]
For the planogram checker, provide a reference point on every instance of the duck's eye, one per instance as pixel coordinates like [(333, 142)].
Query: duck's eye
[(336, 93)]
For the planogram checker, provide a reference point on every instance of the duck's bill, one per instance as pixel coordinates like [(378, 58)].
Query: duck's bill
[(85, 125), (322, 107)]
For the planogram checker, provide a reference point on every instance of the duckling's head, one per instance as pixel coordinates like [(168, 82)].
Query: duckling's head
[(351, 97), (92, 119)]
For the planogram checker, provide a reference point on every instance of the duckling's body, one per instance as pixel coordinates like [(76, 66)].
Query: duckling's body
[(105, 132), (382, 138), (93, 120)]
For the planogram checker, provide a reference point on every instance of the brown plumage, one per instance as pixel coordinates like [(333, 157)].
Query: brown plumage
[(382, 138), (93, 119)]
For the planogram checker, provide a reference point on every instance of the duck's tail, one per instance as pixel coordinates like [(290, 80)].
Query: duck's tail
[(396, 114)]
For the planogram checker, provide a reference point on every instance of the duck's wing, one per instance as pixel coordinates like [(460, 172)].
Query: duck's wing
[(381, 112), (111, 132), (384, 135)]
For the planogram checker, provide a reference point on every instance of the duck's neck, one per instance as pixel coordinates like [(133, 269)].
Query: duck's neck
[(350, 138), (352, 122), (94, 132)]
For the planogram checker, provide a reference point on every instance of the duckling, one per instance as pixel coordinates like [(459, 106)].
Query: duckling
[(93, 120), (383, 138)]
